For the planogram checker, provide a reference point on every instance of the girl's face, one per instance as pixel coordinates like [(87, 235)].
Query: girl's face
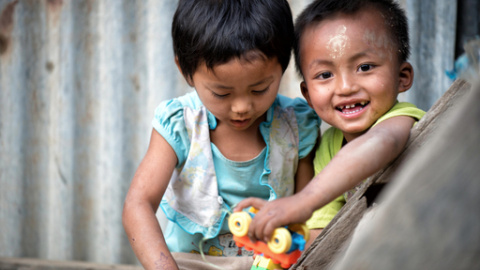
[(239, 92), (351, 70)]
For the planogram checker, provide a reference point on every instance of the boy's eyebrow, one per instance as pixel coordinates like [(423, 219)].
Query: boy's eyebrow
[(356, 56), (318, 62), (359, 55), (365, 53)]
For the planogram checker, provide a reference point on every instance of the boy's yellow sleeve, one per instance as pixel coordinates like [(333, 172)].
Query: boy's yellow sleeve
[(324, 215), (402, 109), (331, 143)]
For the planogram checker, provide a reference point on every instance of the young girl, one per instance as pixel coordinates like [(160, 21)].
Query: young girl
[(233, 137)]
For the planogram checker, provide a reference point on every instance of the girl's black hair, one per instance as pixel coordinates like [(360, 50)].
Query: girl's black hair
[(215, 31), (319, 10)]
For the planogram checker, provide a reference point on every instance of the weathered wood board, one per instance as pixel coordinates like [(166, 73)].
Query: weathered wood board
[(336, 236), (7, 263), (429, 217)]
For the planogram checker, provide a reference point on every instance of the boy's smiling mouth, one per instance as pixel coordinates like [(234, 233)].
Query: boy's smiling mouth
[(352, 108)]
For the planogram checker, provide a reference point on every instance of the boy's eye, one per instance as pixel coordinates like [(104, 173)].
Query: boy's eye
[(365, 67), (324, 75)]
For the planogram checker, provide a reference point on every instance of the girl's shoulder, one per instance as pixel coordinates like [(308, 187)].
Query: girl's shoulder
[(299, 104), (296, 116), (304, 114), (190, 100), (174, 108), (171, 120)]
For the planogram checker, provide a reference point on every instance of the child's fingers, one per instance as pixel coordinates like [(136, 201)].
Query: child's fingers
[(268, 229), (264, 223), (252, 201)]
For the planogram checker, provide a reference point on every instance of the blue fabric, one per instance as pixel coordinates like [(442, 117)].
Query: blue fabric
[(239, 180), (168, 121), (290, 125)]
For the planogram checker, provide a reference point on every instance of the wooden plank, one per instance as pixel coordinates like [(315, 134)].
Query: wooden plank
[(332, 238), (327, 242), (428, 218), (426, 127), (9, 263)]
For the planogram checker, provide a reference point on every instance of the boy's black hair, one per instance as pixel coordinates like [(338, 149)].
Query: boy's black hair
[(215, 31), (319, 10)]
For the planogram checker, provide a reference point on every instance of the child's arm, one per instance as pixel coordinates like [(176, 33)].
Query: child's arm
[(146, 191), (355, 162)]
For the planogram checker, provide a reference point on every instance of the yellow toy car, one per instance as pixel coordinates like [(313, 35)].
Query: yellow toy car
[(284, 248)]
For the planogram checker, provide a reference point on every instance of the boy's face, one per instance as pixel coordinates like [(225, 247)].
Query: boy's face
[(351, 70), (239, 92)]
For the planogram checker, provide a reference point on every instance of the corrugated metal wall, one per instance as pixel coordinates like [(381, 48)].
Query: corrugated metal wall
[(79, 81), (432, 38)]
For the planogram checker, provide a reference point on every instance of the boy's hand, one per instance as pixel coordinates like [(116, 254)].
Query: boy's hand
[(274, 214)]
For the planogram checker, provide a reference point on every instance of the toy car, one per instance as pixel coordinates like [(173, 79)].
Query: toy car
[(285, 246)]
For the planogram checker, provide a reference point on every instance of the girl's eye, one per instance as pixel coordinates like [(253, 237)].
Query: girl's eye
[(365, 67), (325, 75), (218, 95), (259, 92)]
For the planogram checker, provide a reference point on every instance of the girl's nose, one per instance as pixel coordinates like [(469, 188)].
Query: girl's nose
[(241, 105)]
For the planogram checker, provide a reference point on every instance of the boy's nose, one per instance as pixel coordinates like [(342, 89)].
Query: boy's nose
[(347, 85)]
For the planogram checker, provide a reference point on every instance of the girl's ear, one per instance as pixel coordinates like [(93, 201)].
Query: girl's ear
[(405, 77), (306, 95), (188, 79)]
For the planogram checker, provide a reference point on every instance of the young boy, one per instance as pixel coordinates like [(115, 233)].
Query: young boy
[(352, 55), (232, 138)]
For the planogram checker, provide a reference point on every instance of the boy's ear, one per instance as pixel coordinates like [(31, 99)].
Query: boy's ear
[(405, 77), (189, 80), (306, 95)]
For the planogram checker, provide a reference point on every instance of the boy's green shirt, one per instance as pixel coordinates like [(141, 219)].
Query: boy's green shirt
[(330, 144)]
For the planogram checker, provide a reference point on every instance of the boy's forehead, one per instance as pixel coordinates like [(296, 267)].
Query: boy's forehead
[(369, 23), (339, 32), (365, 17)]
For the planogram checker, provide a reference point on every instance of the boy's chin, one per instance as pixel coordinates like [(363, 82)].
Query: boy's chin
[(351, 133)]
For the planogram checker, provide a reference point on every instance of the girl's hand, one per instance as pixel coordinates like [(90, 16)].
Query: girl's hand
[(274, 214)]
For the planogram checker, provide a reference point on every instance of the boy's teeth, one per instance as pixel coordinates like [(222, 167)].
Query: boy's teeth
[(347, 106), (351, 105)]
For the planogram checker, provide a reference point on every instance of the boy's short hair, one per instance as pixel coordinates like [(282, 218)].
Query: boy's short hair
[(215, 31), (394, 16)]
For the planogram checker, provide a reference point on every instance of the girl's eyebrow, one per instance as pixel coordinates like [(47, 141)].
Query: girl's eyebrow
[(268, 79), (265, 80), (220, 86)]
